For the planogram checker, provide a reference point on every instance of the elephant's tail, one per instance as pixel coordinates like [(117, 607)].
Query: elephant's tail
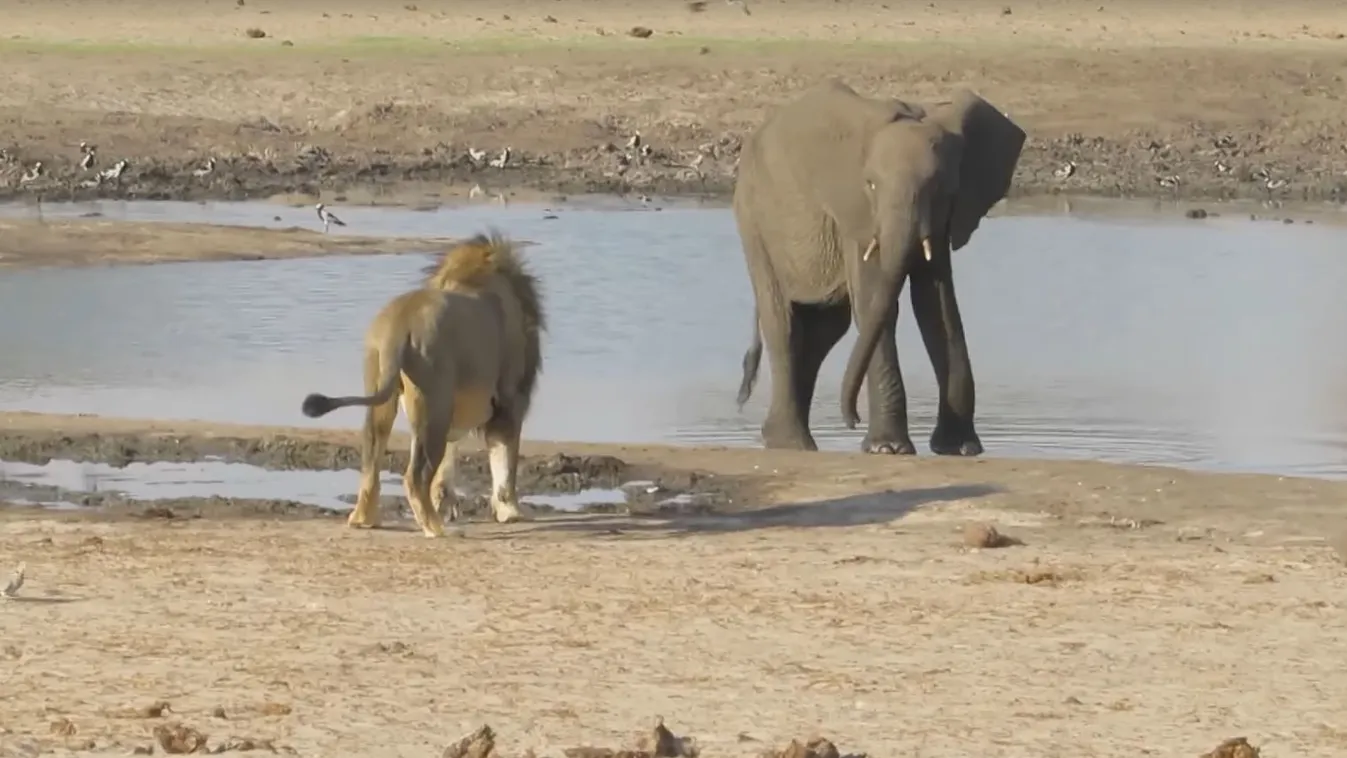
[(752, 357)]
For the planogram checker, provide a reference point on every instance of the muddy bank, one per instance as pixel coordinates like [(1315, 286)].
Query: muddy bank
[(91, 242), (654, 489), (1227, 103), (1200, 164)]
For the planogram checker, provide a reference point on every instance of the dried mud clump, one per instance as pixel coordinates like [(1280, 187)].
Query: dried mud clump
[(1235, 747), (817, 747), (479, 744), (659, 743), (179, 739), (154, 710), (985, 537)]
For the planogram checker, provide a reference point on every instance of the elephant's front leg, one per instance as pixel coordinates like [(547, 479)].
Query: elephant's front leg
[(937, 311), (886, 431)]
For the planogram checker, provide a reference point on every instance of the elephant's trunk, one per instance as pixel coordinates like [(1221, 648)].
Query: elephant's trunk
[(895, 256)]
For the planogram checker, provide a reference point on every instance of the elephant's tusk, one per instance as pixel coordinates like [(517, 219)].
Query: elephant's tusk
[(926, 247), (870, 249)]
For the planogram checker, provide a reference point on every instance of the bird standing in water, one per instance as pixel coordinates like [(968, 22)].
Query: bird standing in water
[(327, 218)]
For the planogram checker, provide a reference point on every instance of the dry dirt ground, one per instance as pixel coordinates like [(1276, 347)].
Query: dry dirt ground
[(339, 95), (1145, 611)]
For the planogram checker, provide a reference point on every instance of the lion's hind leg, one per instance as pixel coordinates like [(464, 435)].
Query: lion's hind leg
[(430, 432), (443, 494), (502, 435), (374, 442)]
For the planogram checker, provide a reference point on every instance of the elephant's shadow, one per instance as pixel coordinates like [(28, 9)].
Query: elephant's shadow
[(853, 510)]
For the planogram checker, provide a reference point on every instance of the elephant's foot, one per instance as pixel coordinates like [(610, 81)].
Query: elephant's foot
[(949, 439), (888, 444), (777, 435)]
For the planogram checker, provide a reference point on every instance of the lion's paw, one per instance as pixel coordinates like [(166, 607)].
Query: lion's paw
[(507, 513)]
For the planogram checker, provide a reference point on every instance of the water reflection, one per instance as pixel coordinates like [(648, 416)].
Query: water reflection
[(1207, 344)]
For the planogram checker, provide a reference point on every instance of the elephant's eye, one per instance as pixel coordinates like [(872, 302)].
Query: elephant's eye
[(869, 185)]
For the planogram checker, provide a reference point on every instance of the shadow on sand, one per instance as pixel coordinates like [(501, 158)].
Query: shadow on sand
[(854, 510)]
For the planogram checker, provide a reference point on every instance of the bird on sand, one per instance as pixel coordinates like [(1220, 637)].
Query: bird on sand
[(116, 171), (327, 218), (15, 582), (500, 160)]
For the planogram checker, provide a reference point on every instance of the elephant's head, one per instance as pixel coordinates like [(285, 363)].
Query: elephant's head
[(920, 184)]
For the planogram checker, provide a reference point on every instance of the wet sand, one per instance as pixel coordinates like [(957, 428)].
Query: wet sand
[(1144, 610), (342, 97), (28, 243)]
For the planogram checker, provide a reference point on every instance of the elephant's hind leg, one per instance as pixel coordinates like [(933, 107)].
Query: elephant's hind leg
[(786, 426), (937, 312), (816, 328)]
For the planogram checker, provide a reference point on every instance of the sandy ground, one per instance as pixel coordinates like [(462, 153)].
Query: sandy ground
[(1147, 611), (341, 94), (25, 243)]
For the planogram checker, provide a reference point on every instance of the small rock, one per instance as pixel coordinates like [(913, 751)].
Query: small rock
[(479, 744), (255, 33), (815, 748), (1196, 213), (63, 727), (640, 32), (985, 536), (179, 739), (1235, 747)]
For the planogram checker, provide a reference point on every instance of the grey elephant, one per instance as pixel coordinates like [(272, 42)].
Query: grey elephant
[(840, 199)]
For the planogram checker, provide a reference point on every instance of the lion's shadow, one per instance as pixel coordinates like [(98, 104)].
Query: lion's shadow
[(854, 510)]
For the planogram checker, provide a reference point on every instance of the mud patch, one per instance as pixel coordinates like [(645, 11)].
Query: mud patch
[(654, 490)]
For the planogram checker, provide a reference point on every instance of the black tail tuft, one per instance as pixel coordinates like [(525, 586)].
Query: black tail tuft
[(316, 405)]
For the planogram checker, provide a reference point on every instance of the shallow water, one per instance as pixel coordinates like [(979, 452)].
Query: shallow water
[(53, 484), (1208, 344)]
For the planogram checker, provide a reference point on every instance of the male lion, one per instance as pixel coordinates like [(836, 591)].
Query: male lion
[(463, 354)]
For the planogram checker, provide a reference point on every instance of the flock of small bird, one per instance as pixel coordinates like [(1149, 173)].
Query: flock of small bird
[(88, 164), (1172, 181)]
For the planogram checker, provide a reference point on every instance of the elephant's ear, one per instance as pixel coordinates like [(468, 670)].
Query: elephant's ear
[(991, 149)]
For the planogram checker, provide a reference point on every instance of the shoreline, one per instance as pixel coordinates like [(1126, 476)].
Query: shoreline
[(90, 239), (35, 437)]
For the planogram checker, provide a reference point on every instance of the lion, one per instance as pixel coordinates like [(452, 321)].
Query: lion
[(462, 353)]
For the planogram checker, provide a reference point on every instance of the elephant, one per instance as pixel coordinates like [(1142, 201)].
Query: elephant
[(839, 200)]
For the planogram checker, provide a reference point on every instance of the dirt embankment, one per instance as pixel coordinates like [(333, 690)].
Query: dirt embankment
[(1214, 102)]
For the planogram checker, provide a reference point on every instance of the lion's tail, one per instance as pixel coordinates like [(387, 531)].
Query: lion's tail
[(390, 381)]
